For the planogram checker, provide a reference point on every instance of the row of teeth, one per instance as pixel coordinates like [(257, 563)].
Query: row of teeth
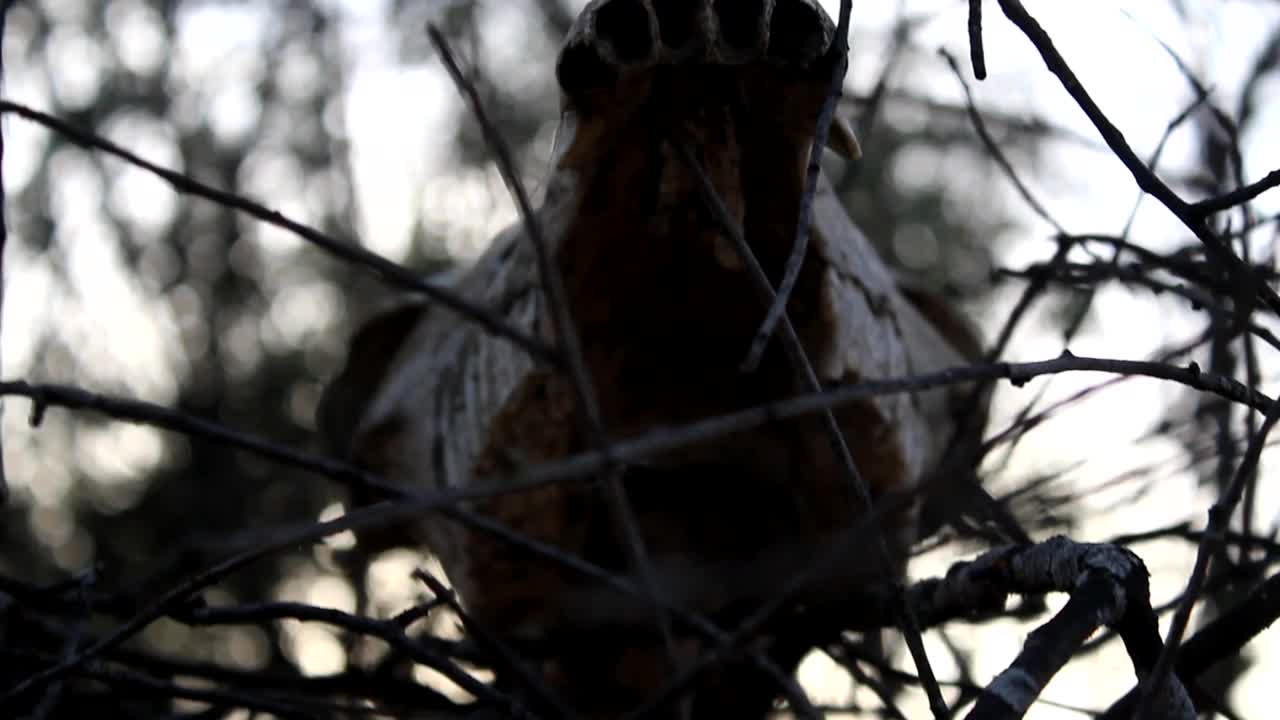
[(802, 32)]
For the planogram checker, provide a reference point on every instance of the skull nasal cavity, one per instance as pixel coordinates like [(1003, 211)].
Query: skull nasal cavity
[(796, 32), (676, 21), (624, 24), (739, 22)]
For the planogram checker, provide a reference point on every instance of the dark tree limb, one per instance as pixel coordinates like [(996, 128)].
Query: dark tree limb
[(1239, 196), (5, 5)]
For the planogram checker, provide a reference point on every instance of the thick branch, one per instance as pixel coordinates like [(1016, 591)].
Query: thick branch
[(1108, 586), (1223, 637)]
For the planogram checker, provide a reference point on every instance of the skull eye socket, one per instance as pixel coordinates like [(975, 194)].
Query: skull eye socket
[(796, 34), (624, 24), (581, 68)]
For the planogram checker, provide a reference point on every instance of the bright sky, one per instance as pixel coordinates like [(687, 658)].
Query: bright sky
[(396, 114)]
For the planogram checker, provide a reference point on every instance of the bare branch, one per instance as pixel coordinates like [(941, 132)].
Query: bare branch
[(993, 148), (976, 54), (1238, 196)]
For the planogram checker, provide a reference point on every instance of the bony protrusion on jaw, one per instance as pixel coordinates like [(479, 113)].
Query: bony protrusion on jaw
[(841, 139), (563, 137)]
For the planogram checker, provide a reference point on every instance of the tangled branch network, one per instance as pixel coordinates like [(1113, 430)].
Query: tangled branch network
[(88, 628)]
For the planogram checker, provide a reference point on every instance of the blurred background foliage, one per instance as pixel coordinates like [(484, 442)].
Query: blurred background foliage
[(252, 323), (120, 285)]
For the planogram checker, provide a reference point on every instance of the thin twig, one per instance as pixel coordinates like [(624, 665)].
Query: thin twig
[(804, 368), (70, 645), (1095, 274), (390, 271), (1178, 120), (174, 599), (1239, 196), (1215, 534), (221, 699), (993, 148), (873, 102), (1035, 127), (390, 630), (566, 336), (838, 54), (643, 446), (1086, 303), (505, 654)]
